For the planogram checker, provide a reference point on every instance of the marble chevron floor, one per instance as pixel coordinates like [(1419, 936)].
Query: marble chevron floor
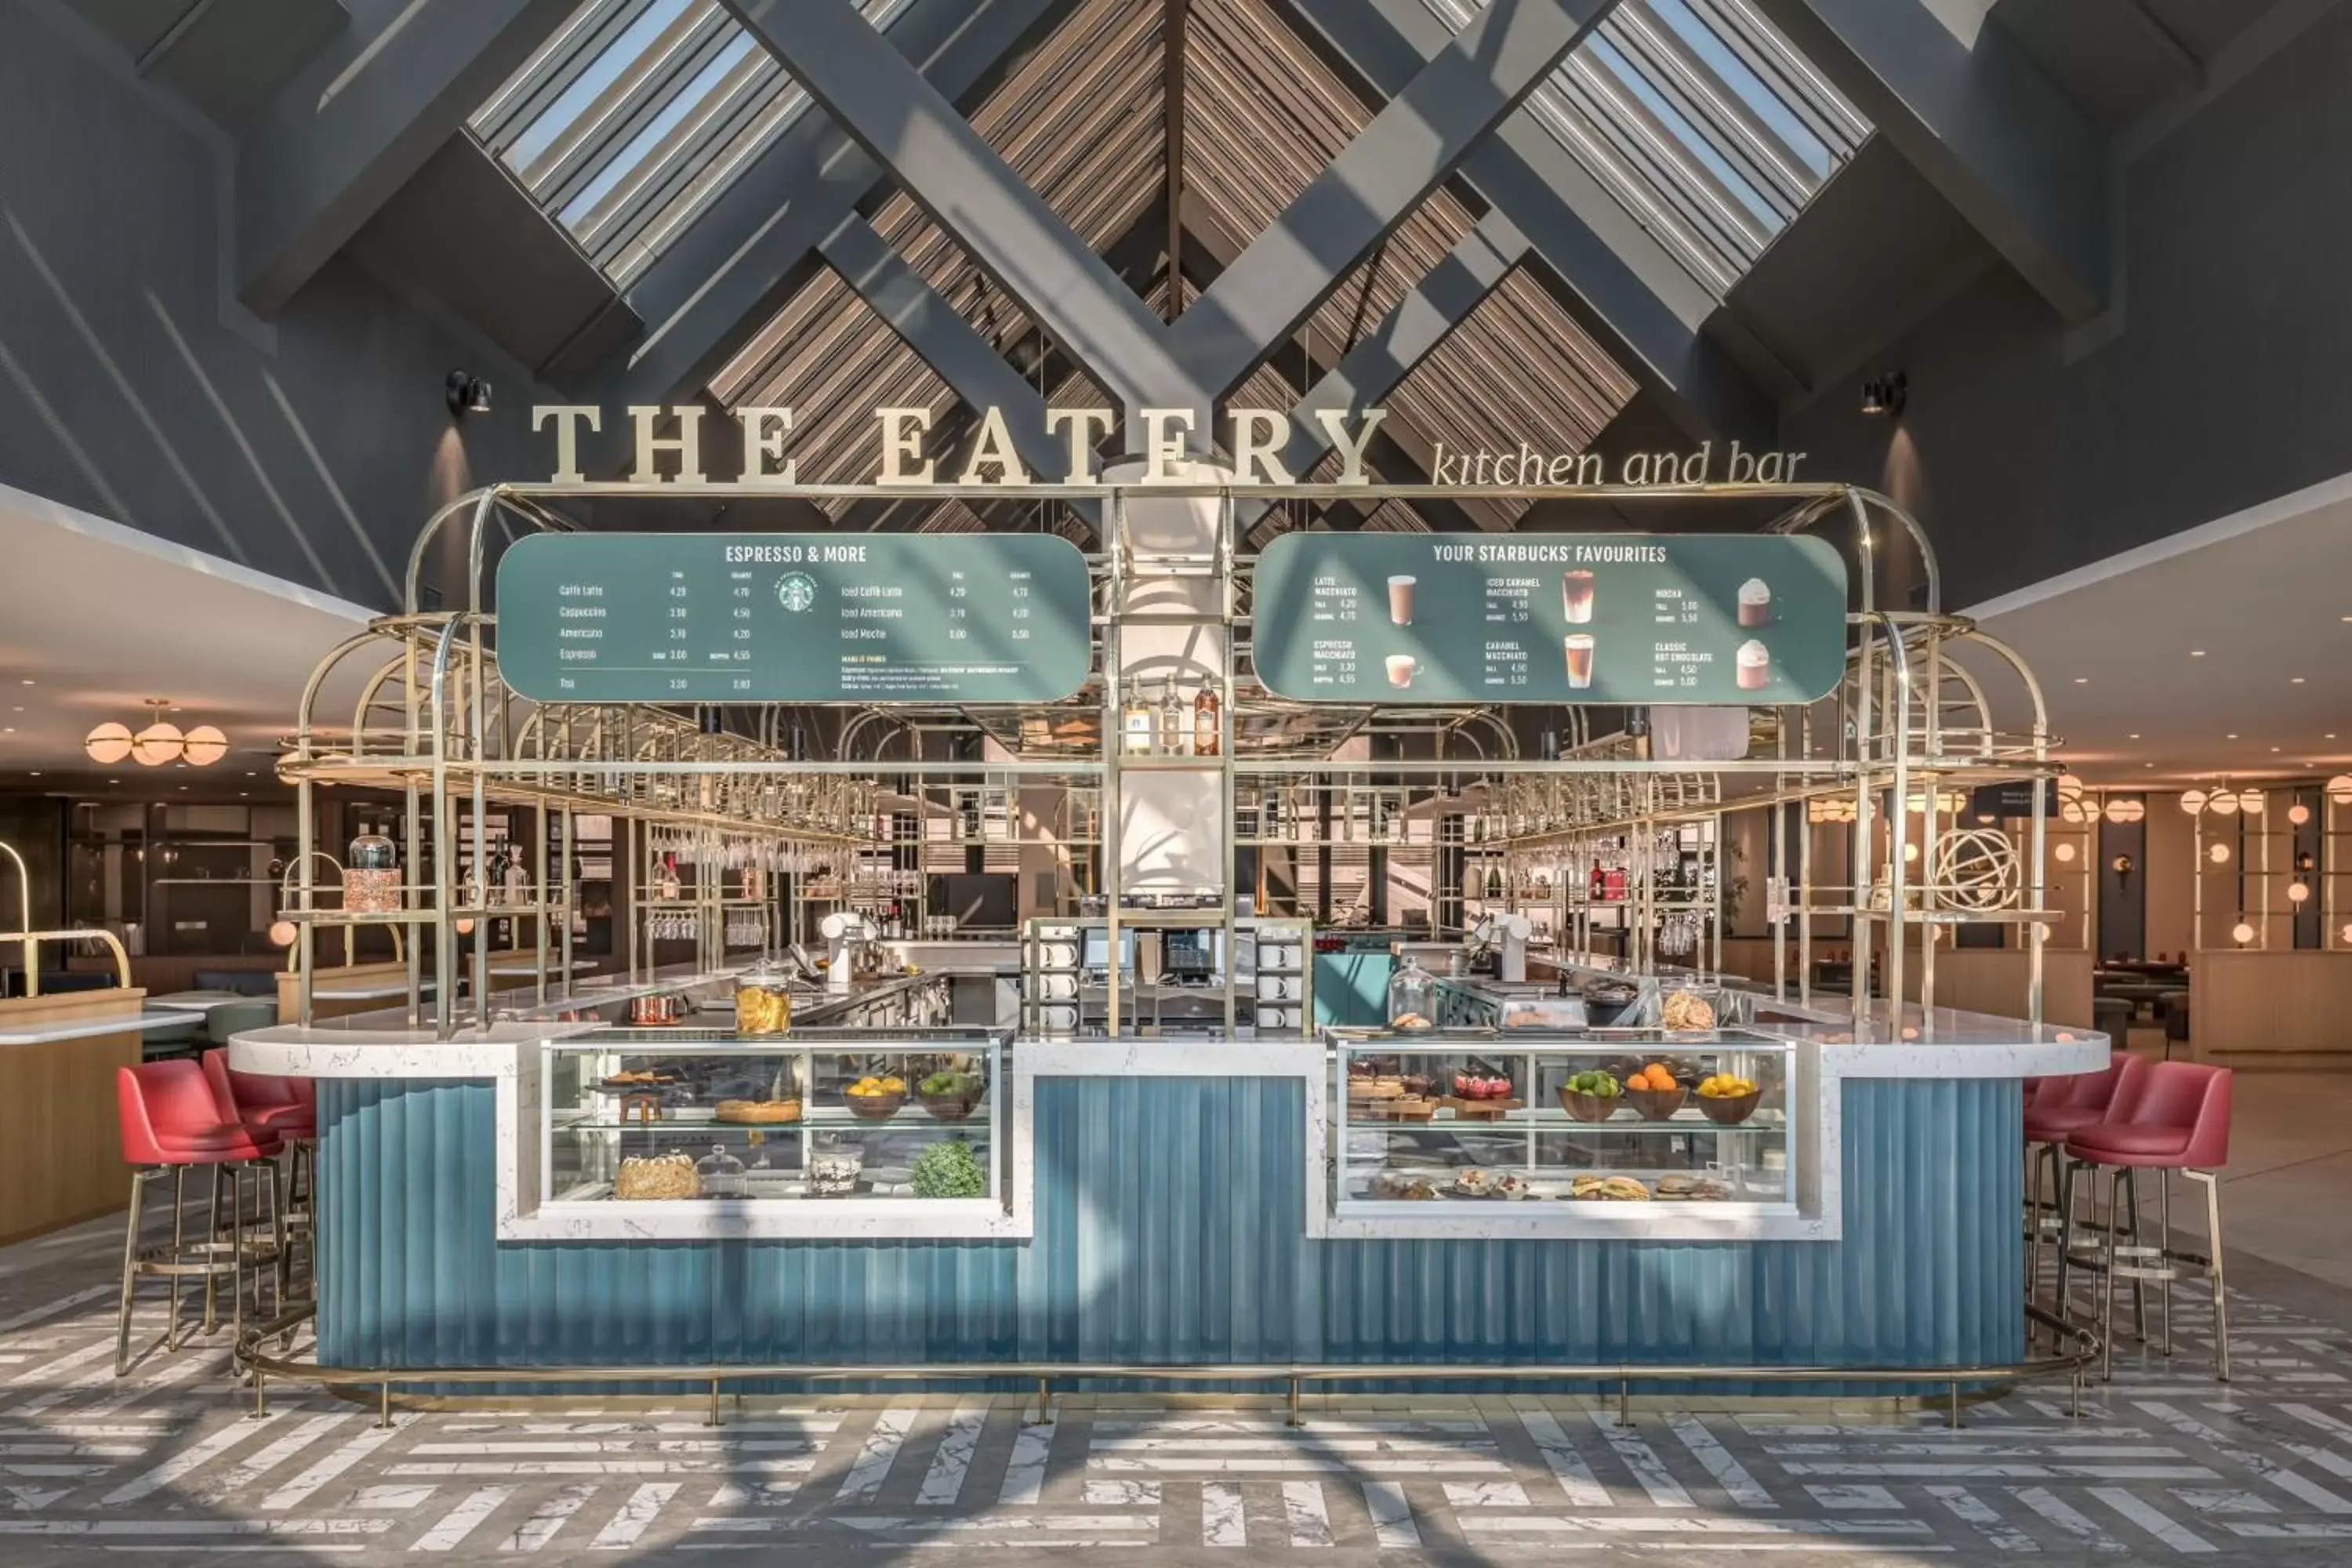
[(167, 1466)]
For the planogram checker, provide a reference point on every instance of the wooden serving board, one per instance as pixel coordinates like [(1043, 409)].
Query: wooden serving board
[(1482, 1110), (1393, 1110)]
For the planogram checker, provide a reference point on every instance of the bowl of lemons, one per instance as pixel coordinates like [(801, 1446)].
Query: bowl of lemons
[(1728, 1098), (875, 1099)]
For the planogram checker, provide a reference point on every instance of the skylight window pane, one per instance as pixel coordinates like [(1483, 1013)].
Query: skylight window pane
[(628, 123), (1701, 119)]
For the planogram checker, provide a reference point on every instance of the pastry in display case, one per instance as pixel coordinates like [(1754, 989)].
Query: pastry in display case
[(683, 1114), (1682, 1116)]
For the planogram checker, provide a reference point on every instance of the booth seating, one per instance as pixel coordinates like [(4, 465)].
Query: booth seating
[(2173, 1006), (2056, 1108), (169, 1122), (2174, 1116), (231, 1018)]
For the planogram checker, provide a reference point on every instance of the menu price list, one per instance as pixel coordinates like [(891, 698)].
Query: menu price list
[(715, 618), (1578, 618)]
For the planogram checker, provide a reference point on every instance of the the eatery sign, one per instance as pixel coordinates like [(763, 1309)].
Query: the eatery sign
[(1257, 438)]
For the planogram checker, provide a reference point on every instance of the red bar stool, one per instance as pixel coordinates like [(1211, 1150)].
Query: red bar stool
[(2059, 1107), (169, 1121), (285, 1109), (2178, 1121)]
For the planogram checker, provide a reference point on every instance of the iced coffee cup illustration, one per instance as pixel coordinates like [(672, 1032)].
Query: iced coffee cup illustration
[(1754, 603), (1754, 663), (1400, 600), (1402, 665), (1576, 596), (1578, 646)]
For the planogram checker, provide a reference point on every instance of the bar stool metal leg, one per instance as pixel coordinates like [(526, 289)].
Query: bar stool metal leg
[(212, 1235), (2211, 1182), (2164, 1241), (129, 1271), (2140, 1282), (2107, 1281), (179, 1242)]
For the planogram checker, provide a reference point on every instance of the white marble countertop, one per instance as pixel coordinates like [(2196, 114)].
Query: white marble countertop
[(43, 1034)]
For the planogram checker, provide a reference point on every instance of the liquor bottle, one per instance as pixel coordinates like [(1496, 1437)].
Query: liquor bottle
[(670, 888), (1136, 723), (1493, 883), (1171, 721), (1599, 881), (1205, 712)]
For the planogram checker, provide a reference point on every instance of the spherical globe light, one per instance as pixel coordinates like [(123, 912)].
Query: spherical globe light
[(2298, 814), (205, 745), (2069, 786), (2070, 809), (282, 933), (2065, 852), (2242, 934), (2339, 789), (2219, 854), (2298, 891), (2222, 803), (158, 744), (2121, 812), (2250, 801), (2193, 801), (107, 744), (2347, 934)]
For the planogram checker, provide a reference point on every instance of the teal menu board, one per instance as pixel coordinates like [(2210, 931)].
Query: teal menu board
[(1555, 617), (794, 617)]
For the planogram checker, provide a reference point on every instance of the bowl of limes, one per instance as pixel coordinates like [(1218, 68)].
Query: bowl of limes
[(1591, 1096)]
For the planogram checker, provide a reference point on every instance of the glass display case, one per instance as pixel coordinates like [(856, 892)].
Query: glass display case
[(1601, 1116), (631, 1115)]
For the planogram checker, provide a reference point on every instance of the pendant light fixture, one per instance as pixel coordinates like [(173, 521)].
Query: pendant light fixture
[(158, 741)]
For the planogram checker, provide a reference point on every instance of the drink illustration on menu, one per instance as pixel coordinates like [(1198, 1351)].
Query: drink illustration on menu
[(605, 617), (1728, 619)]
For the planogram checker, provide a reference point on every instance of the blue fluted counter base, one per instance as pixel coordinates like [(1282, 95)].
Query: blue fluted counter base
[(1170, 1231)]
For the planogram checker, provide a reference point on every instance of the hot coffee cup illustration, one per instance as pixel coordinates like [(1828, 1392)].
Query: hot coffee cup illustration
[(1754, 603), (1401, 669), (1754, 665)]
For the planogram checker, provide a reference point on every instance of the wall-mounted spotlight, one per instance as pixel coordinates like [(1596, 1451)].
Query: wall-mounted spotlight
[(1885, 394), (2122, 866), (468, 393)]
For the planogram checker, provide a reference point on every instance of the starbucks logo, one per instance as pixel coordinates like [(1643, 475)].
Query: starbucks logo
[(796, 592)]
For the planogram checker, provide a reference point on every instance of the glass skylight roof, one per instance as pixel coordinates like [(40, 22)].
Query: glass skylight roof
[(1701, 119), (636, 114)]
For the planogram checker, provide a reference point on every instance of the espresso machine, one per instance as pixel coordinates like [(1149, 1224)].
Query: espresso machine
[(1505, 936), (848, 935)]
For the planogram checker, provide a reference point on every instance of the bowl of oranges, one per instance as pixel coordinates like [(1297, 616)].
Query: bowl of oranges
[(1728, 1098), (1654, 1092), (875, 1099)]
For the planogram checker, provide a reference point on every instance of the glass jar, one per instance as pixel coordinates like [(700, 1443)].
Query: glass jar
[(763, 1001), (1413, 997), (370, 874), (721, 1174), (835, 1165)]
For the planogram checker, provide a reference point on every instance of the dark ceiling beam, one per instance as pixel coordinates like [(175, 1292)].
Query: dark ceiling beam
[(1990, 130), (969, 364), (1382, 360), (1459, 93), (358, 120), (734, 265), (906, 126), (1646, 309)]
